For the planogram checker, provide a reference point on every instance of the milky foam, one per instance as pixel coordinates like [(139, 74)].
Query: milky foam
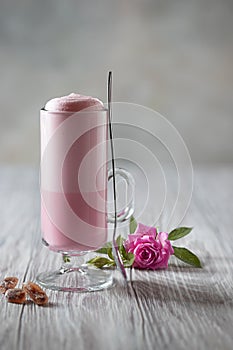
[(72, 103)]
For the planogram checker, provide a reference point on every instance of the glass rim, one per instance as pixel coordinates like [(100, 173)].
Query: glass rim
[(85, 110)]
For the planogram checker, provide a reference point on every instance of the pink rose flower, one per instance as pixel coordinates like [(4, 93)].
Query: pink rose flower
[(151, 249)]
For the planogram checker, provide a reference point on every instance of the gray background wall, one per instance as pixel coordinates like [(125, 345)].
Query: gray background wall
[(173, 56)]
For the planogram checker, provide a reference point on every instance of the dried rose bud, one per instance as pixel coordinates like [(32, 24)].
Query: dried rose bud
[(8, 283), (16, 295), (35, 293)]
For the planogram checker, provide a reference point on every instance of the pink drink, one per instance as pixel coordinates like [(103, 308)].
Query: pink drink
[(74, 174)]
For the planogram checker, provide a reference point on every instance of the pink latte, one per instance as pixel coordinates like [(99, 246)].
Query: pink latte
[(74, 173)]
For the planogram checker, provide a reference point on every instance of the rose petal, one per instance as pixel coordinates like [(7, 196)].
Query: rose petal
[(151, 250), (162, 236), (146, 229)]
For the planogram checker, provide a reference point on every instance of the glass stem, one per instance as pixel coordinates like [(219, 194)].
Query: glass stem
[(72, 263)]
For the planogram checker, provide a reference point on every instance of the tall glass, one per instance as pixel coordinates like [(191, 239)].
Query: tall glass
[(74, 179)]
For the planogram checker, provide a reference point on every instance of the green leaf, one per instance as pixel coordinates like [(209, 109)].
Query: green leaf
[(120, 243), (127, 258), (66, 258), (179, 233), (104, 249), (123, 252), (100, 262), (110, 253), (132, 225), (186, 256), (120, 240), (130, 260)]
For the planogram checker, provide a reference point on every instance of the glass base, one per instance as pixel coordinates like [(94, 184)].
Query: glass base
[(83, 278)]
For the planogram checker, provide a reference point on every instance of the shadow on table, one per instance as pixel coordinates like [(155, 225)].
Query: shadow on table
[(186, 284), (164, 292)]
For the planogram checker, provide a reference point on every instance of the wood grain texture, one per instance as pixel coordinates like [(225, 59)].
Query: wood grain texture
[(179, 308)]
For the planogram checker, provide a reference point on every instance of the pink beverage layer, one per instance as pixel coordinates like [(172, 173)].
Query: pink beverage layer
[(74, 174)]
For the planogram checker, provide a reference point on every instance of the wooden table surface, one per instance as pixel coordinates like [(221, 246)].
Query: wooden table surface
[(180, 308)]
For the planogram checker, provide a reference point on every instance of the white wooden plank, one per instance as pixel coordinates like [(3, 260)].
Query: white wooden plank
[(179, 308)]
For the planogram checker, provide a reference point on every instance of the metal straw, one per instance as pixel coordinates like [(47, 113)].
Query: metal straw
[(115, 249)]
